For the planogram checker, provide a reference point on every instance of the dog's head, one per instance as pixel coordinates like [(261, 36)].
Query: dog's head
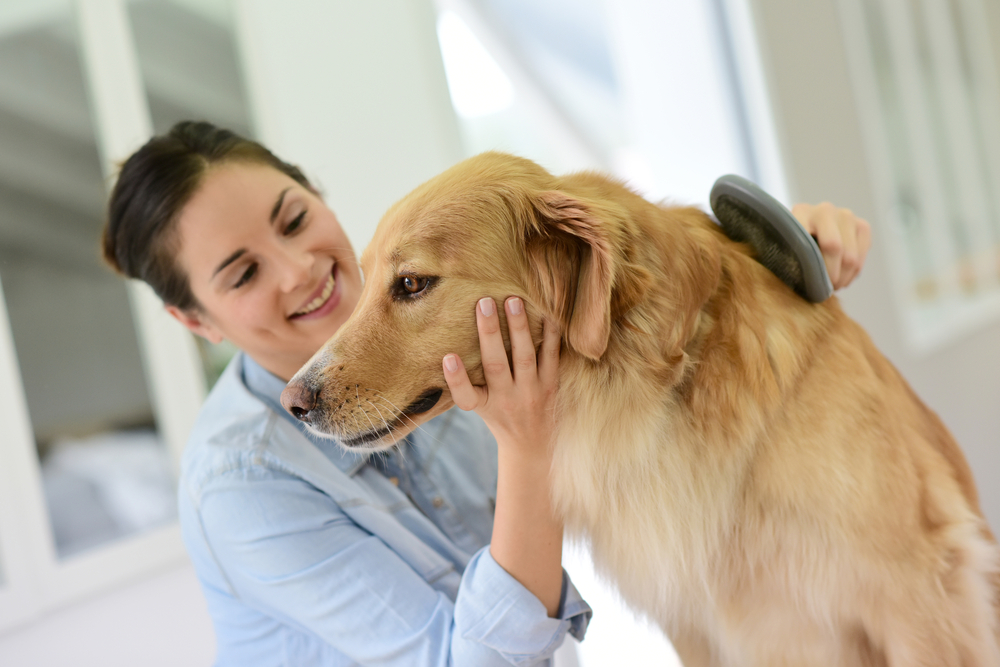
[(494, 225)]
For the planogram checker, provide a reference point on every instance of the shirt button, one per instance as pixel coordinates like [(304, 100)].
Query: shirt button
[(394, 480), (438, 501)]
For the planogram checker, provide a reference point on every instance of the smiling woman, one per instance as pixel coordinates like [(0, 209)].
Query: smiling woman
[(288, 278), (305, 548)]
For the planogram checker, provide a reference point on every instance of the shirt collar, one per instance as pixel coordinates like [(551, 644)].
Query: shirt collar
[(267, 386)]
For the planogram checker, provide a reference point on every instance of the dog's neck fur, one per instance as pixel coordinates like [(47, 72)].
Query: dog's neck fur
[(712, 302), (712, 311)]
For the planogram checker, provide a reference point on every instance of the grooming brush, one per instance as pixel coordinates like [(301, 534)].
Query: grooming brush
[(749, 215)]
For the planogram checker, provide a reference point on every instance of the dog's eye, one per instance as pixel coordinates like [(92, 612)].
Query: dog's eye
[(409, 287), (413, 284)]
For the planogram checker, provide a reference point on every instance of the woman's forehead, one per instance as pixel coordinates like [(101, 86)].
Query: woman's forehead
[(235, 186)]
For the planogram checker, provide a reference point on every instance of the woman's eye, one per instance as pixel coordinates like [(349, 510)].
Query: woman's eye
[(247, 275), (295, 223)]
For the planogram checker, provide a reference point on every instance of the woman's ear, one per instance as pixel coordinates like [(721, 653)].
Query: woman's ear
[(196, 323)]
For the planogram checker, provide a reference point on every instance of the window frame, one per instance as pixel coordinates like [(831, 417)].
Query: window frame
[(33, 579)]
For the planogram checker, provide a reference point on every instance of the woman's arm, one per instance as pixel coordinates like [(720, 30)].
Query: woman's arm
[(290, 552), (518, 406)]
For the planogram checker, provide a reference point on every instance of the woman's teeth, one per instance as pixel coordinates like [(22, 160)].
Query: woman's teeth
[(321, 299)]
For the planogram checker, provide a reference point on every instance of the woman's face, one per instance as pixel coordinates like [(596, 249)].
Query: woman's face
[(269, 264)]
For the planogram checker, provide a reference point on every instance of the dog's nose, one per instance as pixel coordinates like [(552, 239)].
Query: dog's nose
[(300, 399)]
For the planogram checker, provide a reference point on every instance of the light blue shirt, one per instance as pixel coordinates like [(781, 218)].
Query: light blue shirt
[(310, 555)]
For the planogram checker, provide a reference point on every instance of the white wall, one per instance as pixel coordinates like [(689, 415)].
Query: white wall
[(354, 92)]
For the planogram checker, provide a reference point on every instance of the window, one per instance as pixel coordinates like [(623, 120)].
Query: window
[(926, 89), (98, 386)]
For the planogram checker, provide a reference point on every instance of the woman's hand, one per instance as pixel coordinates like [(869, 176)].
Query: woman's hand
[(518, 406), (843, 238)]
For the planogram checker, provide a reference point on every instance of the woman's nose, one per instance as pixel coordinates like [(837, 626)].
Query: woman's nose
[(296, 269)]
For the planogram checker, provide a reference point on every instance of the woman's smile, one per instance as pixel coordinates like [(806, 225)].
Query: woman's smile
[(322, 301)]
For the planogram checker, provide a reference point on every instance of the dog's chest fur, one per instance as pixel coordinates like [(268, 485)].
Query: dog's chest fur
[(657, 481), (631, 480), (660, 510)]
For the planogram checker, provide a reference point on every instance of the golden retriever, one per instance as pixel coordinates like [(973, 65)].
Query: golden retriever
[(748, 470)]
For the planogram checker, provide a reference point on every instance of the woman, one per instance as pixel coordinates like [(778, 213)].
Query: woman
[(442, 551)]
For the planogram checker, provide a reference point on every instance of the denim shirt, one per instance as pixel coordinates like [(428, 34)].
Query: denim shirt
[(312, 555)]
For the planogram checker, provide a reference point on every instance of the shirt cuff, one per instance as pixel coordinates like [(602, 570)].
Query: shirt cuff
[(496, 610)]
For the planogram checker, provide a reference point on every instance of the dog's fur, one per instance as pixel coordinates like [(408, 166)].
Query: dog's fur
[(748, 469)]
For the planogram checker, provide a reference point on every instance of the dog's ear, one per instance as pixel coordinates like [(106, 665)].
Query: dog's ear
[(572, 268)]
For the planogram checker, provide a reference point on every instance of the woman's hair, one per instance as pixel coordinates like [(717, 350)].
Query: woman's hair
[(154, 185)]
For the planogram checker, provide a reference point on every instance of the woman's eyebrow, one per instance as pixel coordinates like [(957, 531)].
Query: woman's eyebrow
[(277, 204), (228, 260)]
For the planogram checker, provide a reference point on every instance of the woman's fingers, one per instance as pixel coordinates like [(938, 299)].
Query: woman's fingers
[(494, 355), (860, 233), (849, 262), (516, 406), (837, 241), (522, 349), (830, 241), (532, 372), (466, 395)]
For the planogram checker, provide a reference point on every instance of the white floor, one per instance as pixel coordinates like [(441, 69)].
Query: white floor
[(159, 622)]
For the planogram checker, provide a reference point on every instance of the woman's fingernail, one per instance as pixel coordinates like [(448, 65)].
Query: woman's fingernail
[(514, 305), (451, 362), (486, 306)]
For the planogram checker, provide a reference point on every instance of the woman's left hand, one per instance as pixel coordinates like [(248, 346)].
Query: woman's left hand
[(518, 406), (517, 403), (843, 238)]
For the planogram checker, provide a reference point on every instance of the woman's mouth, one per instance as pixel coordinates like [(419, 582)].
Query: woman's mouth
[(323, 302)]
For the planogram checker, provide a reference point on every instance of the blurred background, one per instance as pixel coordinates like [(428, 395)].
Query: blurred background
[(888, 107)]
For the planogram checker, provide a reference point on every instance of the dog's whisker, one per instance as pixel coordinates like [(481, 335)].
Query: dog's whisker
[(388, 427), (363, 411), (357, 424)]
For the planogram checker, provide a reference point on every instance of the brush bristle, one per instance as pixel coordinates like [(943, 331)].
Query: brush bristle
[(741, 223)]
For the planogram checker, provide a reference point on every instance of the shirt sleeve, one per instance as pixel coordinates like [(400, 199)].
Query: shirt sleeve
[(288, 550)]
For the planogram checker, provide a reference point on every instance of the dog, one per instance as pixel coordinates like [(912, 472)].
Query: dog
[(746, 467)]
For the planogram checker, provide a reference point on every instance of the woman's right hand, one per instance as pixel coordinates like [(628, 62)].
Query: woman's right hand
[(843, 238)]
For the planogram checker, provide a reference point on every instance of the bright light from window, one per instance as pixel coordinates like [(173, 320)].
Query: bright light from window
[(477, 84)]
